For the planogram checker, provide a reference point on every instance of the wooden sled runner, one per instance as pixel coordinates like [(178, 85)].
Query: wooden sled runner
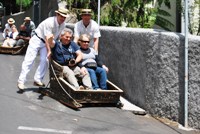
[(13, 50), (62, 91)]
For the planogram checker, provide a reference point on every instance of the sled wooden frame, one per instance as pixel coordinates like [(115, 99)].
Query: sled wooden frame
[(63, 92), (14, 50)]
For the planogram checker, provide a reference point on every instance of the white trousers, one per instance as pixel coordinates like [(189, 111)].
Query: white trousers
[(35, 46), (9, 42)]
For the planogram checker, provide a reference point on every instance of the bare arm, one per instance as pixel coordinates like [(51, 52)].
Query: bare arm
[(49, 44), (76, 39), (22, 37), (96, 44), (50, 40), (79, 56), (105, 67), (26, 38)]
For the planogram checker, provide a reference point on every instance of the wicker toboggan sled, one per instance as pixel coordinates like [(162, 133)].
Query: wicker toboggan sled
[(13, 50), (62, 91)]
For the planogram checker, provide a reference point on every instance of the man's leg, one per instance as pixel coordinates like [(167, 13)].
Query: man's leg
[(43, 66), (30, 56), (20, 42), (70, 76), (12, 42), (5, 43), (85, 79)]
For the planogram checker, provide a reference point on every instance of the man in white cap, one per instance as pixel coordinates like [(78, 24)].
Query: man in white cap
[(87, 26), (30, 26), (8, 27), (52, 25)]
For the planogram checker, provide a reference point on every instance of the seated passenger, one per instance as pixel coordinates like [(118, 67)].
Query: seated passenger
[(93, 64), (23, 37), (10, 40), (67, 53), (8, 27)]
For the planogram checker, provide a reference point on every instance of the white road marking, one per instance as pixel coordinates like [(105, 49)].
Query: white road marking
[(44, 130)]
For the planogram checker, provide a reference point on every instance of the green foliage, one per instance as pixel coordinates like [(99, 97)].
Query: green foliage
[(25, 3), (116, 2), (194, 24), (166, 2), (161, 19), (133, 13)]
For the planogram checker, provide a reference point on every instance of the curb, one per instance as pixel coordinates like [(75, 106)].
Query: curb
[(131, 107)]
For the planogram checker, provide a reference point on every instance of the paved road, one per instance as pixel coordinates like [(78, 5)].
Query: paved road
[(27, 114)]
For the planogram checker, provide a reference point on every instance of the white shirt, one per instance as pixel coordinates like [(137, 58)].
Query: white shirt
[(49, 26), (14, 35), (92, 29), (7, 26)]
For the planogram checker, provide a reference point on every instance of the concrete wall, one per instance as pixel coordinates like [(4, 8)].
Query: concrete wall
[(149, 66)]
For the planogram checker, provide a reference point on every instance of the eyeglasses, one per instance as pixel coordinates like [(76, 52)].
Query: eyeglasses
[(85, 41)]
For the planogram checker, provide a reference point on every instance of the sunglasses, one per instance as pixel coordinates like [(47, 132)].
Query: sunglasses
[(85, 41)]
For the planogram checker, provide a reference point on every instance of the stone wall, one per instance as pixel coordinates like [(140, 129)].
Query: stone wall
[(149, 66)]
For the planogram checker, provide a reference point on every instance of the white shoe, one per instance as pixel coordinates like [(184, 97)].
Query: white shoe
[(88, 88), (81, 88), (39, 84), (20, 86)]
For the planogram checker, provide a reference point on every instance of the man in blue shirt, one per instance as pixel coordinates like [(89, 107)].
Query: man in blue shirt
[(67, 53)]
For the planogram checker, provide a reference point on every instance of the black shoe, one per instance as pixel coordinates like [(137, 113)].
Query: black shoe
[(20, 91)]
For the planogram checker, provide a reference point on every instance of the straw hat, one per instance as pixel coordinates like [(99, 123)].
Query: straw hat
[(27, 18), (86, 12), (63, 12), (11, 21)]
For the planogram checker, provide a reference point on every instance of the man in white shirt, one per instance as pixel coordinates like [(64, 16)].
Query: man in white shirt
[(8, 27), (52, 25), (87, 26)]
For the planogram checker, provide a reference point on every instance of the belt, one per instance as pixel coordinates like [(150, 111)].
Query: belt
[(40, 38)]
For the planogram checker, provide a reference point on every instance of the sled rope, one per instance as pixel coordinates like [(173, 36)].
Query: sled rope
[(62, 86)]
